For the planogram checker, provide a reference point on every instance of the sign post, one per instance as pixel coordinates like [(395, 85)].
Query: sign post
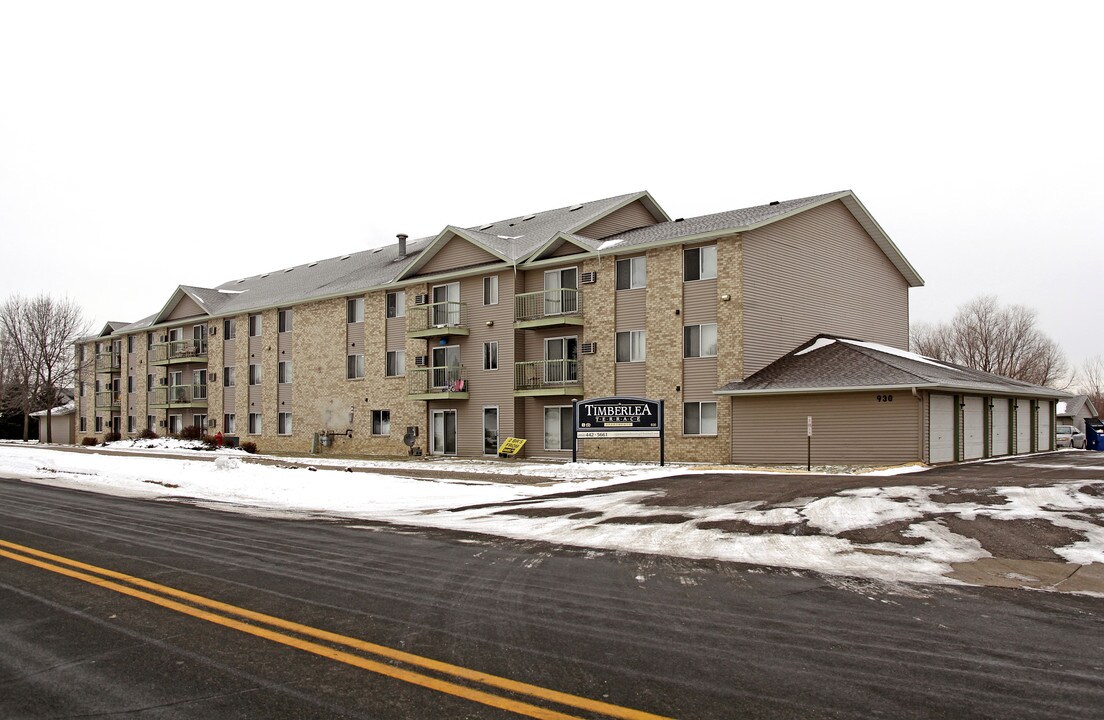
[(615, 418)]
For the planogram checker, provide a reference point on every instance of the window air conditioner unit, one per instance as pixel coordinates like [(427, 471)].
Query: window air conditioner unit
[(421, 299), (421, 360), (588, 277), (588, 348)]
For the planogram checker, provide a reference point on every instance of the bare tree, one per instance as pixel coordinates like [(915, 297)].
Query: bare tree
[(1091, 380), (991, 337), (38, 335)]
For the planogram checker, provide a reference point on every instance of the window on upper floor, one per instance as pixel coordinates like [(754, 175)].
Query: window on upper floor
[(632, 273), (396, 363), (354, 310), (699, 340), (354, 366), (255, 325), (284, 320), (254, 374), (700, 263), (490, 290), (396, 304), (630, 346), (283, 371), (229, 329), (229, 376)]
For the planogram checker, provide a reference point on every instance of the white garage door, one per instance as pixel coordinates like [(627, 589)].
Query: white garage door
[(973, 428), (1044, 425), (1023, 425), (999, 425), (941, 428)]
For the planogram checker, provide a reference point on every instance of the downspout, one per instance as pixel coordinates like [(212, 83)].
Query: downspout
[(919, 425)]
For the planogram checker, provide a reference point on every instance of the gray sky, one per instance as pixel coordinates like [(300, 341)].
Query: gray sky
[(145, 145)]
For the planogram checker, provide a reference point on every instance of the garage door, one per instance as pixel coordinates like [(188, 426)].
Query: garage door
[(941, 429), (1043, 442), (973, 428), (999, 426), (1023, 425)]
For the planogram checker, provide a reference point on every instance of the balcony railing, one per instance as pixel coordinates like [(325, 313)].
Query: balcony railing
[(108, 362), (547, 308), (548, 377), (107, 399), (178, 395), (432, 383), (441, 318), (176, 351)]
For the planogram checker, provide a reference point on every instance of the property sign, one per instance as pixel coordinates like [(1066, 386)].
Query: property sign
[(623, 417), (511, 446)]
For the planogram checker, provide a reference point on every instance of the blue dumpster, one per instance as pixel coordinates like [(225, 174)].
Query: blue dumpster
[(1094, 435)]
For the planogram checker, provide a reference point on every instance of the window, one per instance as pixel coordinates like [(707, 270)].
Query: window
[(99, 424), (149, 382), (490, 431), (81, 385), (699, 418), (199, 421), (446, 305), (130, 383), (229, 329), (255, 325), (83, 424), (632, 273), (176, 334), (560, 291), (490, 290), (130, 424), (151, 422), (354, 310), (700, 263), (396, 304), (557, 428), (354, 367), (490, 355), (149, 341), (630, 346), (176, 424), (283, 371), (283, 321), (98, 385), (199, 384), (254, 423), (381, 422), (229, 376), (80, 353), (283, 423), (228, 423), (130, 345), (254, 374), (396, 363), (699, 340)]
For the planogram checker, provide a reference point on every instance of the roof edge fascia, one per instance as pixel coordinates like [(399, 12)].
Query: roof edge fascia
[(931, 387)]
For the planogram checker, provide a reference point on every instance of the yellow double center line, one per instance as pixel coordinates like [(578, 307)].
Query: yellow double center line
[(225, 615)]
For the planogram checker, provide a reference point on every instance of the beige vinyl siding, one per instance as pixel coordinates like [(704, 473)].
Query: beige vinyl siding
[(848, 428), (457, 253), (533, 409), (699, 378), (632, 216), (818, 272), (283, 397), (186, 308), (256, 345), (631, 378), (631, 309), (255, 396), (229, 399), (566, 249), (396, 333), (699, 302), (354, 340)]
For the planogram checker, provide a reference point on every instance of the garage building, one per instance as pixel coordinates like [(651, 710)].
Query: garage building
[(875, 404)]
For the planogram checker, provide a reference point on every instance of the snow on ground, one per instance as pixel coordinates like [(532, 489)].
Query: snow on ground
[(802, 534)]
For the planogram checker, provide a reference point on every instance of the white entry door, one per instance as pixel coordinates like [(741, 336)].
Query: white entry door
[(941, 428), (443, 438)]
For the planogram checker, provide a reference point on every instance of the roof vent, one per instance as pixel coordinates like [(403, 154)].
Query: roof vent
[(289, 270), (678, 219), (265, 275), (402, 245), (312, 264), (488, 226), (573, 208), (774, 202), (528, 217), (344, 257), (377, 250)]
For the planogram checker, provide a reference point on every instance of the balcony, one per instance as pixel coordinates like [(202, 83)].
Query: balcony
[(548, 308), (437, 320), (107, 400), (179, 351), (548, 377), (437, 383), (108, 362), (175, 396)]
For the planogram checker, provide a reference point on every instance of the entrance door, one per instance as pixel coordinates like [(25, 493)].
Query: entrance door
[(443, 438), (560, 291), (446, 366)]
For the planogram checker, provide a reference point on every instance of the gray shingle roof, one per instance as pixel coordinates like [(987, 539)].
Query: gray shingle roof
[(839, 364), (1076, 404)]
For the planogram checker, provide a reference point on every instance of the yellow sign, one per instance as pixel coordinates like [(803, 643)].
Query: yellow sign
[(511, 446)]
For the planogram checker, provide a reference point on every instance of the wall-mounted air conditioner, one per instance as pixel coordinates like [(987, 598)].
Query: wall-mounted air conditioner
[(588, 348), (588, 277)]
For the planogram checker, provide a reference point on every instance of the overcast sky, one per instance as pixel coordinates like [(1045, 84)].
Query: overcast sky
[(145, 145)]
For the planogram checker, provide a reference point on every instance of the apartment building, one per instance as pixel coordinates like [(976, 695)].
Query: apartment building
[(456, 341)]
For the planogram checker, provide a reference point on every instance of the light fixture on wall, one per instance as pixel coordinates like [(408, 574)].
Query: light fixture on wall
[(490, 323), (726, 297)]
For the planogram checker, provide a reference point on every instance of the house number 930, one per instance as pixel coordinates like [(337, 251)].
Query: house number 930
[(885, 398)]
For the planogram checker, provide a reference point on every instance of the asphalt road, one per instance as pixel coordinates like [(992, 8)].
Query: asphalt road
[(665, 636)]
